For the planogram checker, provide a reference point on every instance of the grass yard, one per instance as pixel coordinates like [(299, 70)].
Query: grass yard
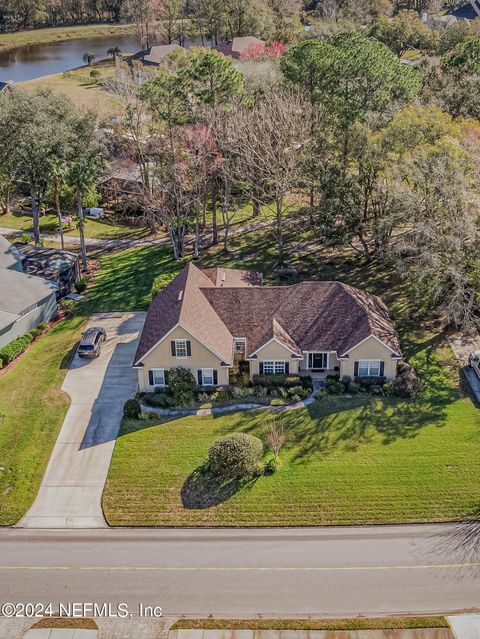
[(347, 461), (78, 86), (9, 41), (32, 409), (106, 229), (32, 406)]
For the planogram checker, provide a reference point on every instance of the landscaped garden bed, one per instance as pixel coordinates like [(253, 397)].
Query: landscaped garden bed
[(266, 390)]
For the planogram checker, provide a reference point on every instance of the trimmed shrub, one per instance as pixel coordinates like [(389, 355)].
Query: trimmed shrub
[(80, 286), (368, 382), (42, 326), (285, 381), (68, 306), (15, 348), (407, 384), (334, 386), (235, 456), (182, 386), (159, 399), (271, 466), (131, 409)]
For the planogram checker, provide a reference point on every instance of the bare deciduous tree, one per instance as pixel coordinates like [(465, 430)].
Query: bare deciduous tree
[(275, 437), (268, 144)]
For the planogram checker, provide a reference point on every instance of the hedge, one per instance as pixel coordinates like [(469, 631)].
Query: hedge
[(11, 351), (285, 381)]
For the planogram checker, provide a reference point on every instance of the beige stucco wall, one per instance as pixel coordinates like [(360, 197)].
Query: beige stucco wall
[(370, 349), (161, 357), (273, 351)]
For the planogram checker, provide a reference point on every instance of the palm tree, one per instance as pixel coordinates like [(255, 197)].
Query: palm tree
[(58, 174), (89, 57), (113, 51), (81, 177)]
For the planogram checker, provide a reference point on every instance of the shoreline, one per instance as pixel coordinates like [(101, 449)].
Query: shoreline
[(51, 35)]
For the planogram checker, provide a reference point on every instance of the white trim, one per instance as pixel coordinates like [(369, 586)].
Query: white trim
[(203, 380), (274, 339), (191, 335), (272, 361), (184, 340), (364, 340), (368, 367), (327, 353), (157, 385)]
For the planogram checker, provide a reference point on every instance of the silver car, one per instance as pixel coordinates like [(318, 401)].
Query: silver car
[(474, 361), (89, 347)]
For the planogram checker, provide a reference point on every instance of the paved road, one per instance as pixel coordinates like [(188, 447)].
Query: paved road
[(279, 572), (71, 491)]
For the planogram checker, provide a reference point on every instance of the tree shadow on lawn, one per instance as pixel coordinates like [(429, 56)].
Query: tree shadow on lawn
[(202, 489)]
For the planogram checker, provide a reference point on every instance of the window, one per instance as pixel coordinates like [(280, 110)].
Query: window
[(180, 348), (28, 310), (240, 344), (157, 377), (369, 368), (207, 377), (273, 368)]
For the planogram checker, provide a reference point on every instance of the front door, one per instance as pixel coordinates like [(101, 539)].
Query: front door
[(317, 361)]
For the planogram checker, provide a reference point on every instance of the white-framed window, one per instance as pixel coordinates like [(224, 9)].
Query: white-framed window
[(369, 368), (240, 344), (273, 367), (181, 350), (207, 377), (158, 376), (318, 361)]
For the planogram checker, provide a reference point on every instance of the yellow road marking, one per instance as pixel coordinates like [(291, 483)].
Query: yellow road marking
[(246, 568)]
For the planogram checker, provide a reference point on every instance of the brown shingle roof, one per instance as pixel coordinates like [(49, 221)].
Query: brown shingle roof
[(216, 305)]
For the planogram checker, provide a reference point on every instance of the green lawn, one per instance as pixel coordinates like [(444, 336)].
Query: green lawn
[(106, 229), (347, 461), (9, 41), (32, 409), (375, 623), (32, 406)]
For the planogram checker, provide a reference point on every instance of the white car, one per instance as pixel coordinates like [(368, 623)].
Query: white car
[(474, 361)]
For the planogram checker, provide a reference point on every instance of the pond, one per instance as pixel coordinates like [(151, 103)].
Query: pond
[(27, 63)]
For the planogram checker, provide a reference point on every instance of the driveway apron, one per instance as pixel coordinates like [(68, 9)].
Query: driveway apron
[(71, 492)]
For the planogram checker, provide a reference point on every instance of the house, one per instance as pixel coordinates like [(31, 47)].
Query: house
[(207, 320), (239, 46), (468, 11), (25, 300), (10, 256), (61, 268), (155, 55), (7, 87)]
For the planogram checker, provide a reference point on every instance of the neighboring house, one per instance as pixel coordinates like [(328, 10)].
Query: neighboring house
[(62, 268), (239, 46), (25, 300), (7, 87), (155, 55), (206, 320), (468, 11), (124, 178), (10, 256)]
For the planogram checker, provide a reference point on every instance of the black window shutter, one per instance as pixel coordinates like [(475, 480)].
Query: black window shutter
[(310, 360), (215, 377), (382, 368), (287, 367), (174, 348), (200, 377), (260, 368), (150, 378), (165, 377), (189, 348), (355, 369)]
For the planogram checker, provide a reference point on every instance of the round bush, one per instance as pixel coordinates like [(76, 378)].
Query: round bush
[(407, 384), (131, 409), (235, 456)]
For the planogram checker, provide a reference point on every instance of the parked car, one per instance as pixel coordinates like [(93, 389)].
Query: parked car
[(92, 339), (474, 361), (94, 212)]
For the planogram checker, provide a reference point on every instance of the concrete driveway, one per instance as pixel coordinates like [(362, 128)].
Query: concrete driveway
[(71, 492)]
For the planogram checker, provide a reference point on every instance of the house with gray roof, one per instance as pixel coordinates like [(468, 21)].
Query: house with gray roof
[(209, 320), (25, 300)]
